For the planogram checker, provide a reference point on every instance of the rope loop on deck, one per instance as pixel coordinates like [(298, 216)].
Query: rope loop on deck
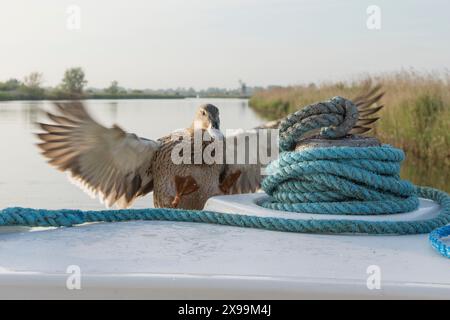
[(17, 216), (436, 240)]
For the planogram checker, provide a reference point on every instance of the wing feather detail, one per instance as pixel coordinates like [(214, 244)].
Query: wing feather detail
[(108, 163)]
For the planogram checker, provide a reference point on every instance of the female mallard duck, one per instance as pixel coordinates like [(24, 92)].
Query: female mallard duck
[(118, 166)]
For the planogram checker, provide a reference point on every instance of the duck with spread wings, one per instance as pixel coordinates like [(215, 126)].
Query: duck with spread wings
[(119, 167)]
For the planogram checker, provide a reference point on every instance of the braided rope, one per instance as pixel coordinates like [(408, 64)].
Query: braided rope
[(346, 180), (350, 181), (55, 218), (334, 117), (435, 240)]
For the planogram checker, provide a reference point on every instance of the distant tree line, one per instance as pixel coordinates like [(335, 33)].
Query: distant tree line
[(71, 86), (74, 86)]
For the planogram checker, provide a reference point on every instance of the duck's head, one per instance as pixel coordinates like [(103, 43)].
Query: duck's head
[(206, 118)]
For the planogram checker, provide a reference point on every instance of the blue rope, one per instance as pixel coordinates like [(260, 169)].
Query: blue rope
[(340, 180), (334, 117), (17, 216), (353, 181), (435, 240)]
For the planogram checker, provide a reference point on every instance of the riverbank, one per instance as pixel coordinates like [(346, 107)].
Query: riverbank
[(416, 116), (6, 96), (25, 97)]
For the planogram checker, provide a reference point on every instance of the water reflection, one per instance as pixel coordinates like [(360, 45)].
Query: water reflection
[(30, 113), (113, 105)]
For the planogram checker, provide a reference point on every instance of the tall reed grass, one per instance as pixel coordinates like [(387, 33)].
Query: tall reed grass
[(416, 116)]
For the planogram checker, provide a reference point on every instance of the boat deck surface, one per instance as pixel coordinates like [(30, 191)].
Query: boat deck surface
[(154, 259)]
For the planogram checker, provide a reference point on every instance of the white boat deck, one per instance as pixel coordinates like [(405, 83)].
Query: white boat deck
[(190, 260)]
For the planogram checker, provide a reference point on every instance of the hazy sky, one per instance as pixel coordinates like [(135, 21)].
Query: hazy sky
[(171, 43)]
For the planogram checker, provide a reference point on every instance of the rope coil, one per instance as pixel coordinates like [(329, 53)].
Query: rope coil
[(340, 180), (334, 117)]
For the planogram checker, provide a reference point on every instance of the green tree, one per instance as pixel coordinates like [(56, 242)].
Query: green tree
[(32, 84), (74, 81), (113, 88), (33, 80), (10, 85)]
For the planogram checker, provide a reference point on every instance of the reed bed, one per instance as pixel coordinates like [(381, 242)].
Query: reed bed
[(416, 116)]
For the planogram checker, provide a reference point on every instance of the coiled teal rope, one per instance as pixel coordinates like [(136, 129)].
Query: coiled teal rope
[(334, 117), (340, 180), (352, 181)]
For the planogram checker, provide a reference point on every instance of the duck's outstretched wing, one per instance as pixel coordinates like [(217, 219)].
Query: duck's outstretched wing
[(248, 152), (368, 104), (106, 162)]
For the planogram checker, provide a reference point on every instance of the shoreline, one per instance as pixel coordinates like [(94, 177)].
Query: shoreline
[(111, 97)]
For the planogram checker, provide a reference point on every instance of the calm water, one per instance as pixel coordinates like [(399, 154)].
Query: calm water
[(27, 180)]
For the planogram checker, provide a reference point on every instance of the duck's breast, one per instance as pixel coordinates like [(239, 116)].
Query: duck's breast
[(164, 172)]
